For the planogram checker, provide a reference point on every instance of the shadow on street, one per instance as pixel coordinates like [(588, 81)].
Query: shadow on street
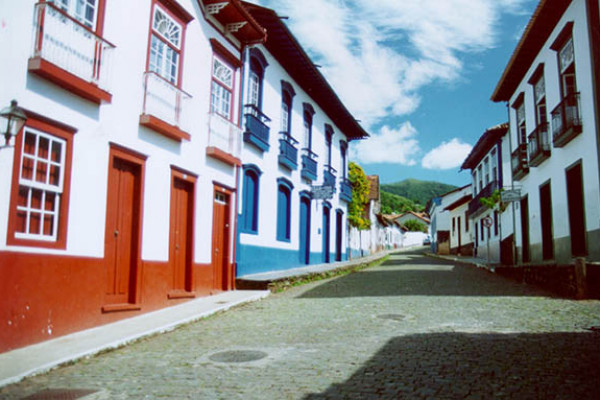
[(459, 365), (413, 274)]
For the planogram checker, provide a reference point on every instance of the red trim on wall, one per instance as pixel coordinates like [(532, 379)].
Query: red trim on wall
[(221, 155), (164, 128), (225, 54), (57, 129), (68, 81)]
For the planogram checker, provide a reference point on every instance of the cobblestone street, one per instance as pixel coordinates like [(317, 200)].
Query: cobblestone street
[(412, 327)]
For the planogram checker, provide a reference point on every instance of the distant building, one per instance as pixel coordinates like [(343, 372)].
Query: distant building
[(461, 237), (490, 169), (551, 88), (440, 221)]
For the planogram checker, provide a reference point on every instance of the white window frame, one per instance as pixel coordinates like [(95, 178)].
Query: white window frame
[(32, 185), (164, 47), (76, 9), (221, 92)]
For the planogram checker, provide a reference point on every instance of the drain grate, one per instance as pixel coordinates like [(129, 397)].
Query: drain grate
[(60, 394), (238, 356), (393, 317)]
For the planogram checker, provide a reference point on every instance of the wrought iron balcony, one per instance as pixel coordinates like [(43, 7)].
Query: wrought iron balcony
[(224, 140), (70, 54), (163, 107), (475, 206), (329, 175), (309, 165), (566, 120), (538, 145), (257, 127), (518, 161), (288, 153), (345, 190)]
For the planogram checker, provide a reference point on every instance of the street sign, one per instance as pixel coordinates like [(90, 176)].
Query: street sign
[(487, 222), (324, 192), (510, 195)]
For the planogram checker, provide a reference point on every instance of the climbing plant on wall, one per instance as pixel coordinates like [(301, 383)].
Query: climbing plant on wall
[(360, 197)]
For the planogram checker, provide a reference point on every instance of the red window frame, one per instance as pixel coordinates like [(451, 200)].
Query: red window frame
[(61, 131), (227, 58), (182, 17)]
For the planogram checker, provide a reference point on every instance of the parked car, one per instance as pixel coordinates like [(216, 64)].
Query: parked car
[(427, 241)]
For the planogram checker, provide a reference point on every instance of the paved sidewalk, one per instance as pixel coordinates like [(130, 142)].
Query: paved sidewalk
[(34, 359), (263, 280)]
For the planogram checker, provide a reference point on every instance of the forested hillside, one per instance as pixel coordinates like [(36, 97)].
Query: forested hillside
[(415, 191)]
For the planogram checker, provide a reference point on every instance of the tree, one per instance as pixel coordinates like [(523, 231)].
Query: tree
[(415, 226), (360, 197)]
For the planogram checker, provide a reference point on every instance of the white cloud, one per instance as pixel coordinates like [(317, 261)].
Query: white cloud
[(447, 155), (378, 54), (396, 146)]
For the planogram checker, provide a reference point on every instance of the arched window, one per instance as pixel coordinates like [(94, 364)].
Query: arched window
[(284, 208), (249, 223), (258, 64), (287, 94)]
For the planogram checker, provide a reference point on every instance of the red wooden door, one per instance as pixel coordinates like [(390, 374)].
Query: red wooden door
[(220, 250), (181, 234), (122, 219)]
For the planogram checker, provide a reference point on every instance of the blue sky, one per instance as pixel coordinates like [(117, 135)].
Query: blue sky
[(417, 73)]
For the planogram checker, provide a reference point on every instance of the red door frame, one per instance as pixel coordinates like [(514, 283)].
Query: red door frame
[(224, 276), (190, 179), (117, 152)]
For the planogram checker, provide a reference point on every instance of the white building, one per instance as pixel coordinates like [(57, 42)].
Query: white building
[(296, 135), (440, 221), (461, 232), (550, 87), (489, 162)]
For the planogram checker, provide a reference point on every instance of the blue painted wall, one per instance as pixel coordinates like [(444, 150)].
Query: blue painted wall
[(257, 259)]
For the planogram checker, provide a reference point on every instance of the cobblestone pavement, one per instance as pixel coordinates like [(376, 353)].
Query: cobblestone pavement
[(413, 327)]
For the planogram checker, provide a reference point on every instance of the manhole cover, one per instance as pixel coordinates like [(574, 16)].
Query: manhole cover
[(393, 317), (60, 394), (238, 356)]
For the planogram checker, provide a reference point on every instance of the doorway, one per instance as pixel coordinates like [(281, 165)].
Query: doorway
[(181, 233), (576, 210), (525, 229), (326, 234), (338, 234), (221, 232), (304, 248)]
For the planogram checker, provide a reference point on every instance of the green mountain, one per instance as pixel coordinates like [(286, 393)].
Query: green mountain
[(394, 204), (419, 192)]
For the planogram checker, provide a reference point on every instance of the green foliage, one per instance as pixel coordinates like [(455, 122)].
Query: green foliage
[(360, 197), (394, 204), (494, 202), (418, 191), (415, 226)]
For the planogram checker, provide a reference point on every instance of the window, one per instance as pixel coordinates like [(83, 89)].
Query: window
[(494, 158), (221, 93), (309, 113), (39, 204), (284, 207), (486, 168), (84, 11), (343, 151), (287, 95), (453, 225), (475, 190), (328, 140), (521, 125), (467, 221), (566, 63), (250, 199), (166, 35), (539, 97), (480, 174), (258, 64)]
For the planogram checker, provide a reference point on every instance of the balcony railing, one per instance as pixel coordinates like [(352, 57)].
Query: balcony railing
[(66, 43), (224, 139), (345, 190), (566, 120), (257, 127), (329, 175), (518, 161), (538, 145), (475, 206), (165, 102), (288, 153), (309, 165)]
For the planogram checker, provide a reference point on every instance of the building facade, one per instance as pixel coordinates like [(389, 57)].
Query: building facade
[(550, 87), (492, 226), (294, 182)]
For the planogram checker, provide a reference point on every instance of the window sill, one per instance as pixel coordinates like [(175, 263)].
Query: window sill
[(164, 128), (121, 307), (221, 155), (68, 81)]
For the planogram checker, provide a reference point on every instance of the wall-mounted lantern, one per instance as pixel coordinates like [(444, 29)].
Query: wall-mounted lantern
[(15, 119)]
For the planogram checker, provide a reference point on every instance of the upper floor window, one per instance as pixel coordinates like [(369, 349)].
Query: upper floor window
[(84, 11), (480, 175), (343, 151), (258, 64), (250, 199), (494, 159), (309, 112), (287, 95), (328, 141), (39, 204), (566, 61), (221, 94), (475, 190), (539, 96), (521, 123), (165, 45), (486, 168)]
